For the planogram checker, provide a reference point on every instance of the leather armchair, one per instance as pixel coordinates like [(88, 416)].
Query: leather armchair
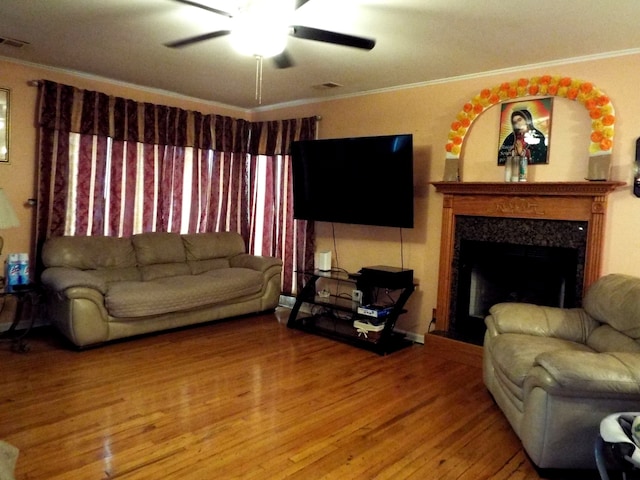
[(556, 373)]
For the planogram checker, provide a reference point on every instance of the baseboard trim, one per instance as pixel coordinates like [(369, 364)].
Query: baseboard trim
[(412, 336)]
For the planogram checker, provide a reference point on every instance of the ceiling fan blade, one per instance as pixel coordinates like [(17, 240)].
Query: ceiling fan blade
[(300, 3), (198, 38), (310, 33), (283, 60), (204, 7)]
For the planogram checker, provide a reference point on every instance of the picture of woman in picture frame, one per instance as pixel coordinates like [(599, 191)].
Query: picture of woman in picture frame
[(520, 134)]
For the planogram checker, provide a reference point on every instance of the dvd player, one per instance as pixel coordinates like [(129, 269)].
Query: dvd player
[(386, 277)]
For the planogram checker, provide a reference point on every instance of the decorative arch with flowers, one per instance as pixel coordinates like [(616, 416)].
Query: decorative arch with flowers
[(598, 105)]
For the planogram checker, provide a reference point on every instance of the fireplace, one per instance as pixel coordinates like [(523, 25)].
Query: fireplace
[(512, 260), (525, 242)]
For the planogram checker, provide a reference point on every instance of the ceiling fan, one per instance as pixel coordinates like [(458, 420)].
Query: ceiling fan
[(257, 22)]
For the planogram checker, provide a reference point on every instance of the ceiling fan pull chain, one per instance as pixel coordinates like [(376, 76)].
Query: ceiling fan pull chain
[(259, 79)]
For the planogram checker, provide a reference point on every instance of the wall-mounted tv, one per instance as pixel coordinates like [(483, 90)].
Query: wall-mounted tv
[(359, 180)]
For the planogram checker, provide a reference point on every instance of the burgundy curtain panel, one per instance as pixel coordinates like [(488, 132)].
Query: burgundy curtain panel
[(113, 166), (281, 235)]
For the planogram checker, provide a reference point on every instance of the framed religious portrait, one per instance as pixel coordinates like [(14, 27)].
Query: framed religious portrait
[(525, 127)]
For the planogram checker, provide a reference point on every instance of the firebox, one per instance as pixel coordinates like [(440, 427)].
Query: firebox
[(513, 260), (495, 272)]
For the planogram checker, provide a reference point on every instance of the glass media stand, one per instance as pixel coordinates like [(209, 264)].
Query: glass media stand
[(329, 302)]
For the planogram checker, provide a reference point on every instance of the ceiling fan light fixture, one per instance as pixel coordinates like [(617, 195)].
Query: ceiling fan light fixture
[(261, 27)]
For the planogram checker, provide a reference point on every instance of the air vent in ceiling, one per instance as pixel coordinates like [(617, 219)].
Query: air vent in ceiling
[(12, 42), (327, 86)]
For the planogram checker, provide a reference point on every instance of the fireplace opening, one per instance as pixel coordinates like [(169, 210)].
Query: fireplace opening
[(503, 259), (495, 272)]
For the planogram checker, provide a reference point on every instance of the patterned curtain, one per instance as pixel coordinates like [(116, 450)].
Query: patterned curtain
[(126, 164), (113, 166), (273, 225)]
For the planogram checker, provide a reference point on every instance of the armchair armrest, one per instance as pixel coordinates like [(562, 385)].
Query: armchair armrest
[(572, 324), (63, 278), (592, 374), (255, 262)]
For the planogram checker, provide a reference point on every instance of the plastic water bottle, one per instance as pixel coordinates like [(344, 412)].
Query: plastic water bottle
[(12, 270), (23, 270)]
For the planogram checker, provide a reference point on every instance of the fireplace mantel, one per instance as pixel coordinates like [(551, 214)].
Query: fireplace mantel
[(528, 188), (579, 201)]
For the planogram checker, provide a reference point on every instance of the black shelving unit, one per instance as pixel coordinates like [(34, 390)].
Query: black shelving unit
[(333, 315)]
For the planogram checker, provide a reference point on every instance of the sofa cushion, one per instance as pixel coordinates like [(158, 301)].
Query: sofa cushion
[(158, 247), (210, 251), (164, 270), (606, 339), (116, 274), (205, 246), (87, 253), (604, 373), (63, 278), (165, 295), (567, 323), (200, 266), (515, 354), (615, 300)]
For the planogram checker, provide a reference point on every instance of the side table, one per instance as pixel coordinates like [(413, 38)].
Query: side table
[(20, 298)]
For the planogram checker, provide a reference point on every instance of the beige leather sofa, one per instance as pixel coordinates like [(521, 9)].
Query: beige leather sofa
[(104, 288), (556, 373)]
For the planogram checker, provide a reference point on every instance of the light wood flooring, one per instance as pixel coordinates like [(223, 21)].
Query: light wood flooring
[(250, 398)]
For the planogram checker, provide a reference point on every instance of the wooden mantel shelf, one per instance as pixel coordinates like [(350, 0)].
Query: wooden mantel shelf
[(595, 188)]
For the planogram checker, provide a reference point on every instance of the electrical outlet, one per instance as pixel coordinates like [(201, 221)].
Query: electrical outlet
[(356, 299)]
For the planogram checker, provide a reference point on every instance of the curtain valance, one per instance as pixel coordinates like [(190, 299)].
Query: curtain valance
[(66, 108), (275, 137)]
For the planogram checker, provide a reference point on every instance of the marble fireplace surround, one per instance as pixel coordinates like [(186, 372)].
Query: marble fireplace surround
[(569, 201)]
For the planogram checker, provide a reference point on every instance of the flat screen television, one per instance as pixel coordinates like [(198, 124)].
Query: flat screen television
[(359, 180)]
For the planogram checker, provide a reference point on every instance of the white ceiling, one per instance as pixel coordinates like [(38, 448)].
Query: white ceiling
[(418, 41)]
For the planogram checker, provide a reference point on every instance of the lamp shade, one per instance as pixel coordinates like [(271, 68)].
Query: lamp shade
[(8, 216)]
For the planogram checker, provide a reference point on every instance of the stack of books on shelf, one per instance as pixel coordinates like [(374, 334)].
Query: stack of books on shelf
[(375, 311)]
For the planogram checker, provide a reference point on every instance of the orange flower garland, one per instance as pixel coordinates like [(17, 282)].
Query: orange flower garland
[(594, 100)]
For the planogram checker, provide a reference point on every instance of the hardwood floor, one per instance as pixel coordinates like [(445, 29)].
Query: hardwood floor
[(249, 398)]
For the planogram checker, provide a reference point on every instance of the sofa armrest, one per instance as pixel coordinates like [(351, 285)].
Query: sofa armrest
[(592, 374), (254, 262), (572, 324), (63, 278)]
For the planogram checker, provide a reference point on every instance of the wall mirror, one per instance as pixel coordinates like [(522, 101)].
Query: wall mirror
[(4, 125)]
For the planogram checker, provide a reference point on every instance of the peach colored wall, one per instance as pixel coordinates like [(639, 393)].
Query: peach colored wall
[(427, 112)]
